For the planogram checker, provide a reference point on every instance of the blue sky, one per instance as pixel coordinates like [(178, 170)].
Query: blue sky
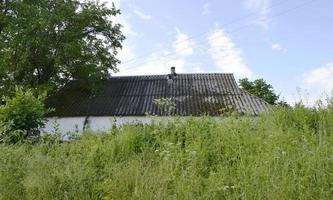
[(286, 42)]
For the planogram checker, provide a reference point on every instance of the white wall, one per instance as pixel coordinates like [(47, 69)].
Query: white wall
[(105, 123), (67, 124), (75, 124)]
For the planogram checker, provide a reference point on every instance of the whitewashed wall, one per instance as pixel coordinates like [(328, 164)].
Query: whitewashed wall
[(67, 124), (75, 124)]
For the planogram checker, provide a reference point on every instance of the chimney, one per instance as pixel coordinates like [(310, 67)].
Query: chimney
[(172, 75), (173, 71)]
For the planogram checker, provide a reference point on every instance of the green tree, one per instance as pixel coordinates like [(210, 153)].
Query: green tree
[(261, 89), (46, 43), (21, 116)]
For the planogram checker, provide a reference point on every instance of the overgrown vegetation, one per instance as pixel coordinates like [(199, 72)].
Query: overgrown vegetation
[(22, 116), (287, 154), (166, 105)]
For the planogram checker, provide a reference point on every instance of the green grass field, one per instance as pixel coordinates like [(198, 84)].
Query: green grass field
[(287, 154)]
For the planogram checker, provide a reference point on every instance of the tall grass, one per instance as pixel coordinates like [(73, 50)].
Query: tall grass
[(287, 154)]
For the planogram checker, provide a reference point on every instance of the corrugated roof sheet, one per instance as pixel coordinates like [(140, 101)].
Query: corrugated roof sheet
[(193, 94)]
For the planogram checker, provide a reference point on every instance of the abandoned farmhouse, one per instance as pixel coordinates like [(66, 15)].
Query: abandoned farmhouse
[(133, 99)]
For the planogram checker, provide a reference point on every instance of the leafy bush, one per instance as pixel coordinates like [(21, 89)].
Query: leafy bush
[(166, 105), (21, 116)]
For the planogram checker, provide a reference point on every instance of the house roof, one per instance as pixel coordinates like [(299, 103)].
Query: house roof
[(192, 94)]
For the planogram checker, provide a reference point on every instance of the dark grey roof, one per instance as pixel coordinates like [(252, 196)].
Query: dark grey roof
[(193, 94)]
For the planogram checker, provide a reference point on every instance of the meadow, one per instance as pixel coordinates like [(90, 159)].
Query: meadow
[(286, 154)]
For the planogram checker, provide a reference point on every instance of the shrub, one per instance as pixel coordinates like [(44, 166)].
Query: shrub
[(21, 116)]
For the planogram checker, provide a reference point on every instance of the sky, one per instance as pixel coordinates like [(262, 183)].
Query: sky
[(288, 43)]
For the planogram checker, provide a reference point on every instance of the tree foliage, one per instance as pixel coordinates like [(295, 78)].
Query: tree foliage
[(261, 89), (21, 116), (46, 43)]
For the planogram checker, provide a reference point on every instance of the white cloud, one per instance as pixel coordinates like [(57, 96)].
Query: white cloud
[(262, 8), (126, 26), (226, 55), (141, 14), (127, 52), (183, 45), (122, 19), (321, 77), (116, 3), (161, 61), (206, 9), (198, 69), (276, 47), (318, 83), (155, 64)]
